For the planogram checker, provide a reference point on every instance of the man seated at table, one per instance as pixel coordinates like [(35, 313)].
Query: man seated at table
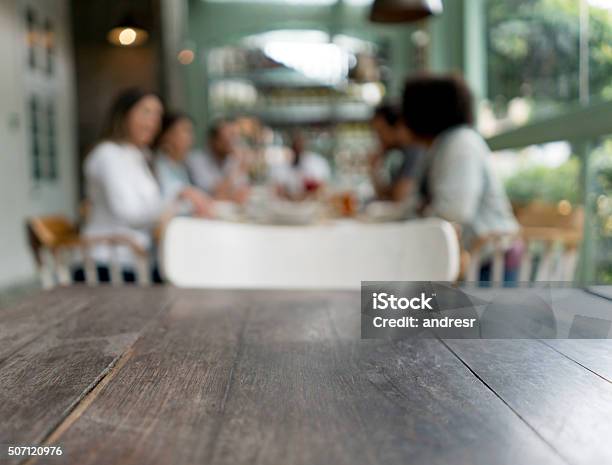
[(217, 170), (305, 174), (394, 168)]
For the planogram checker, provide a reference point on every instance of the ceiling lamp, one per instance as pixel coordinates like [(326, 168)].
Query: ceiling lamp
[(404, 11), (128, 33), (186, 56)]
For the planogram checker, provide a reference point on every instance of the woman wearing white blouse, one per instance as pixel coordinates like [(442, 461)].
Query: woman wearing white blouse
[(124, 196)]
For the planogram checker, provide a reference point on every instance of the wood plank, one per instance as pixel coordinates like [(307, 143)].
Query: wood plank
[(550, 311), (12, 295), (23, 322), (602, 291), (596, 310), (164, 405), (44, 379), (282, 377), (593, 354), (580, 314), (569, 406)]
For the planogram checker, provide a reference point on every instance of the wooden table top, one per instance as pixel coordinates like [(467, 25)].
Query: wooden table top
[(167, 376)]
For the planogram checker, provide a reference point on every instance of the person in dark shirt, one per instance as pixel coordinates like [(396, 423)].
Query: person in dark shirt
[(394, 169)]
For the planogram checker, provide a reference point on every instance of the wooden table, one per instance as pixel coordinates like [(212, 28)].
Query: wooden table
[(166, 376)]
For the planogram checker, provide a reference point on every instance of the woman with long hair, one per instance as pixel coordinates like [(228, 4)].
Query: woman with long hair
[(124, 197)]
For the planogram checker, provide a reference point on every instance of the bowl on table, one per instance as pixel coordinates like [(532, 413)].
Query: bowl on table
[(285, 212), (384, 211), (227, 211)]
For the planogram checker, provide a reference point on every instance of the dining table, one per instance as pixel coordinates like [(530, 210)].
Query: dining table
[(161, 375)]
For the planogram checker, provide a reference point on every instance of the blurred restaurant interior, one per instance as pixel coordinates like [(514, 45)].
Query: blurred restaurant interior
[(277, 78)]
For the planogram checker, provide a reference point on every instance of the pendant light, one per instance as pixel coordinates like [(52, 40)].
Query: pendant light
[(127, 33), (404, 11)]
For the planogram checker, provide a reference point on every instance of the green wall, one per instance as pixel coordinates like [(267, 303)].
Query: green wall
[(212, 24), (458, 42), (457, 38)]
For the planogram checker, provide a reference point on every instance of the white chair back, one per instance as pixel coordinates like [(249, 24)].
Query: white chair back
[(213, 254)]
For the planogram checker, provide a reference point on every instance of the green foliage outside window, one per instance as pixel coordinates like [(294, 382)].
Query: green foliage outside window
[(534, 52), (563, 183), (545, 184), (600, 202)]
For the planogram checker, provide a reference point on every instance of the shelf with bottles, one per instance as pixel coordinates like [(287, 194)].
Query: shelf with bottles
[(231, 60), (278, 77), (293, 82), (354, 142), (283, 106), (304, 114), (271, 63)]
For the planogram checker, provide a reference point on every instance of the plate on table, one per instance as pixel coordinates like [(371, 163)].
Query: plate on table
[(285, 212), (384, 211), (227, 211)]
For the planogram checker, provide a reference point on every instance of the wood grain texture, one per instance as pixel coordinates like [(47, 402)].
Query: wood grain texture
[(25, 321), (594, 355), (569, 406), (601, 291), (42, 380), (282, 378), (582, 314), (165, 404)]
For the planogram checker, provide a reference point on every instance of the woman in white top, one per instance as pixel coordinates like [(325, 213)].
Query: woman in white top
[(459, 184), (124, 196)]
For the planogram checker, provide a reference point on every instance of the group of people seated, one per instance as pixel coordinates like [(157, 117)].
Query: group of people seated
[(144, 170)]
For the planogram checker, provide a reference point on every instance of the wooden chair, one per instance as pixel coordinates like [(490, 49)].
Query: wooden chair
[(201, 253), (553, 235), (551, 238), (55, 242)]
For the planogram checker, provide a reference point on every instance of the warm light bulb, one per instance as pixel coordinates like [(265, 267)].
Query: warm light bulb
[(127, 36), (564, 207), (186, 56)]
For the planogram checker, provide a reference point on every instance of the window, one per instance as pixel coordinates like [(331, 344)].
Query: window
[(49, 46), (555, 175), (35, 148), (43, 139), (41, 84), (32, 39), (51, 142), (599, 202), (536, 58)]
